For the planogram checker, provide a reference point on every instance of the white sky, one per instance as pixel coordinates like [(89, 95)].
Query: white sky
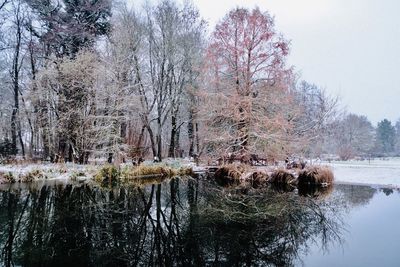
[(349, 47)]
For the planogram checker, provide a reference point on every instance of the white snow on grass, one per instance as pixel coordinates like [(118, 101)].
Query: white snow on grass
[(51, 171), (374, 172)]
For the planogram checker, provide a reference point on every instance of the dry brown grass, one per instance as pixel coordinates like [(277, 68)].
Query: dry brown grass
[(108, 174), (282, 176), (156, 170), (230, 174), (7, 177), (32, 176), (258, 179), (160, 170), (143, 174), (316, 175), (149, 171), (185, 171)]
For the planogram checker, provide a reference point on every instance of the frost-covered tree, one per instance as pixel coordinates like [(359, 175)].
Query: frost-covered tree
[(66, 28), (167, 46), (318, 111), (74, 109), (355, 136)]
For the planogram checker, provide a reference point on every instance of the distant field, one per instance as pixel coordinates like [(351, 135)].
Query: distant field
[(379, 172)]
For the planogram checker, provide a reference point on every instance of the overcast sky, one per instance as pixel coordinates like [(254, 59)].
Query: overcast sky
[(349, 47)]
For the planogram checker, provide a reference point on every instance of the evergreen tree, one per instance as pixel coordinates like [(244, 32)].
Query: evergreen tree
[(386, 134), (70, 25)]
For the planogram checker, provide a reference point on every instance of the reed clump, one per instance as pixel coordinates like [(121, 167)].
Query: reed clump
[(7, 177), (158, 170), (32, 176), (150, 170), (185, 171), (258, 179), (282, 176), (108, 174), (316, 175), (230, 174), (111, 174)]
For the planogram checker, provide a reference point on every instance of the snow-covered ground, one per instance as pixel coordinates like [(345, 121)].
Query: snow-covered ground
[(67, 171), (375, 172), (50, 171)]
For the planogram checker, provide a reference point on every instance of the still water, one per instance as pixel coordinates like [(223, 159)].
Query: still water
[(193, 222)]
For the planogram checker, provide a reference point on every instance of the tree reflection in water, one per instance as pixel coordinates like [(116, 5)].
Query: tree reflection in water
[(181, 222)]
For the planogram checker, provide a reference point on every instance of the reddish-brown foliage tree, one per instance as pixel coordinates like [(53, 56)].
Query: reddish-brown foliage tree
[(247, 100)]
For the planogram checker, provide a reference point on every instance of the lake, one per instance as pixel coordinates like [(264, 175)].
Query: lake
[(194, 222)]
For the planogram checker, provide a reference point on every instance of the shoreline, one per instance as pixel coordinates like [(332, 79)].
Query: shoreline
[(345, 172)]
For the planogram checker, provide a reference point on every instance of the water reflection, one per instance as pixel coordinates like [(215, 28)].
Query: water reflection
[(357, 195), (315, 191), (180, 222)]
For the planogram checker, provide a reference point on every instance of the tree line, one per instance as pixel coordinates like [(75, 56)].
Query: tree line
[(354, 136), (93, 78)]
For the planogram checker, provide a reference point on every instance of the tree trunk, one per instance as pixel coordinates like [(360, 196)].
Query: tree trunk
[(70, 153), (45, 134), (123, 131), (153, 145), (62, 146), (34, 89), (15, 74), (178, 143), (21, 141), (172, 145), (14, 130), (158, 139), (190, 129), (197, 139), (242, 140)]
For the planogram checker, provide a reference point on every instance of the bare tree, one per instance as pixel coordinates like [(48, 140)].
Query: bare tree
[(317, 112), (16, 132), (167, 46), (354, 136), (186, 59)]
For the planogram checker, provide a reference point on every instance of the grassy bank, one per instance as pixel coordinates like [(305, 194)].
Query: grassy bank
[(110, 174)]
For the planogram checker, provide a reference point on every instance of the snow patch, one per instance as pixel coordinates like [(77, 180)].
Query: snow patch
[(375, 172)]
